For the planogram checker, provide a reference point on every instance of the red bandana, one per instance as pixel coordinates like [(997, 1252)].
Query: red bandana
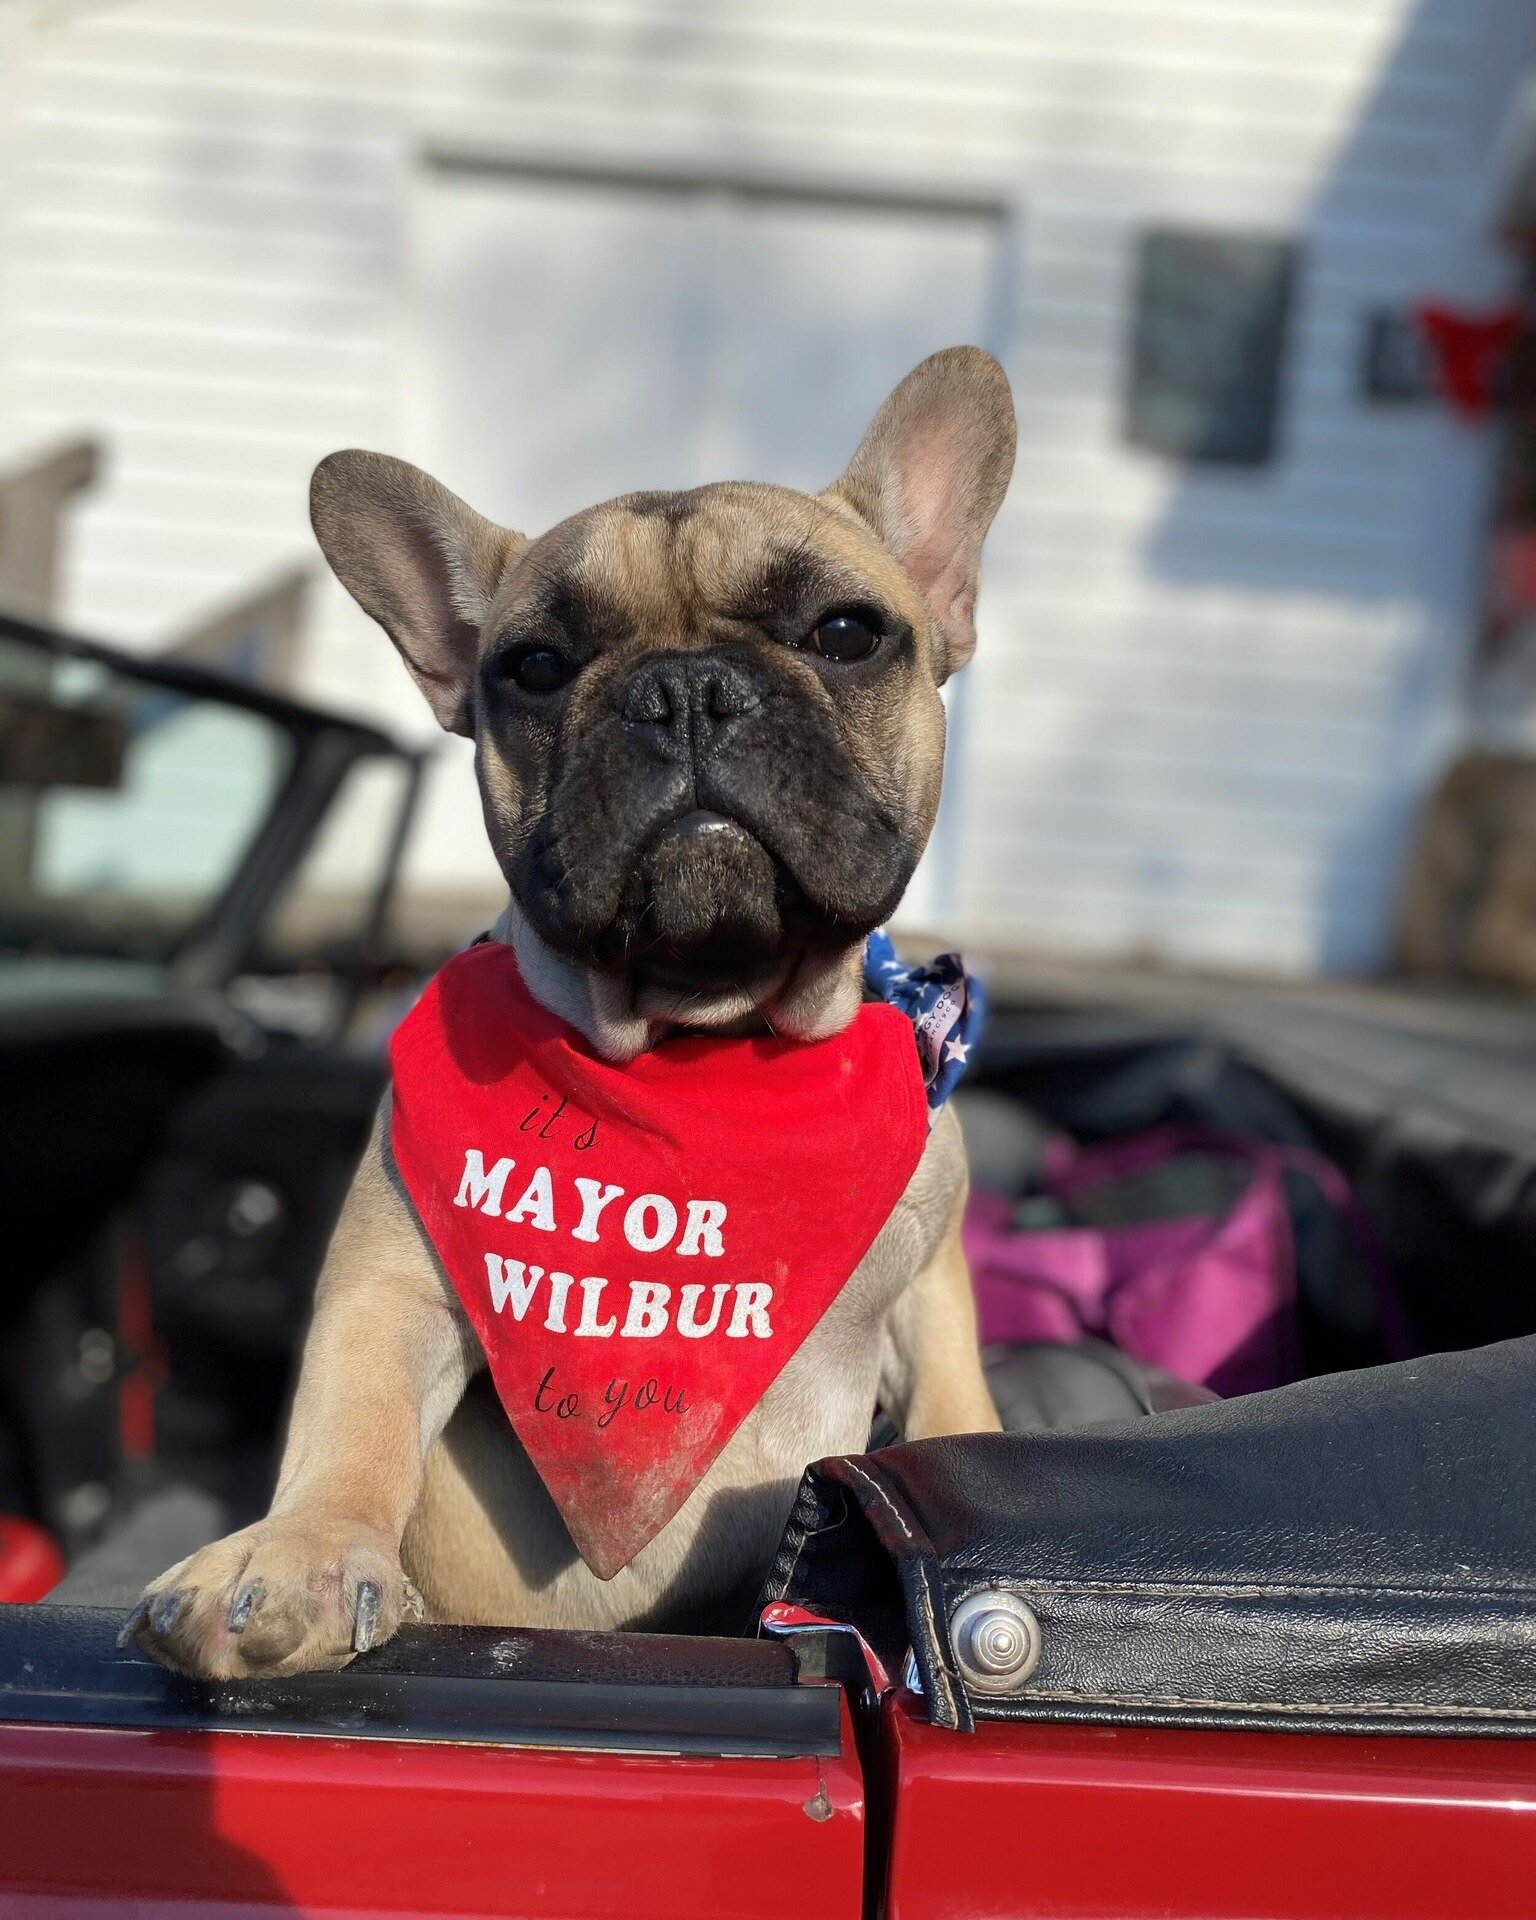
[(641, 1248)]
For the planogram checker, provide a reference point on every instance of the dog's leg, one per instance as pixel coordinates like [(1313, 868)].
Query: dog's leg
[(386, 1361), (931, 1380)]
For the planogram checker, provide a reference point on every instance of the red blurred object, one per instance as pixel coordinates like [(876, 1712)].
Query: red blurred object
[(1047, 1821), (1471, 351), (100, 1822), (31, 1564), (143, 1368), (1512, 578)]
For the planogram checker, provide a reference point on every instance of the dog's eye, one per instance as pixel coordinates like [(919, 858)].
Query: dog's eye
[(845, 637), (538, 669)]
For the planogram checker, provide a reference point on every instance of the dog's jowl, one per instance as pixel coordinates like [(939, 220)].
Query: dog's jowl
[(665, 1199)]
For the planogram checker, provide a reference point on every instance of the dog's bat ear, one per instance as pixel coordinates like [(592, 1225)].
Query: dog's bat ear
[(420, 561), (928, 477)]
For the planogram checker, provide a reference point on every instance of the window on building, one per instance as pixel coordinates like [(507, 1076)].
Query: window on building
[(1211, 318)]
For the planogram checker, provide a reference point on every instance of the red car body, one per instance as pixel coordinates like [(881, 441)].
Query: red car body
[(1035, 1822), (1115, 1822)]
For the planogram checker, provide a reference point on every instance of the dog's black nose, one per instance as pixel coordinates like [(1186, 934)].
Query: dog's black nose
[(683, 700)]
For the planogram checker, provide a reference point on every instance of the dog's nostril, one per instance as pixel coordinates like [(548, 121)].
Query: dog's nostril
[(728, 694), (650, 701)]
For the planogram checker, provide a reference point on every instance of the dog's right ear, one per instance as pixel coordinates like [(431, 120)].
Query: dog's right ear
[(421, 562)]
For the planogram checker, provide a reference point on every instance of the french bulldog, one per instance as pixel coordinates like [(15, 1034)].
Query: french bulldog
[(709, 741)]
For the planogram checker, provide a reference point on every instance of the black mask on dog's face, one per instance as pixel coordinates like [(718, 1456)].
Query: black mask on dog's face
[(708, 732)]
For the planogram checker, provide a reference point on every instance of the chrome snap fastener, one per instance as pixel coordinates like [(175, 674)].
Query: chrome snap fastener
[(996, 1638)]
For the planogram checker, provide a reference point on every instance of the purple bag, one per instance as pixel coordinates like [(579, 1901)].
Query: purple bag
[(1211, 1298)]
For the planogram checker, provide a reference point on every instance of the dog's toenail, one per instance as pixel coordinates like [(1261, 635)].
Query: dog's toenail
[(168, 1611), (367, 1616), (244, 1603), (132, 1624)]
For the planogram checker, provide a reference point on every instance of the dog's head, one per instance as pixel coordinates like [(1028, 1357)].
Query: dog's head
[(707, 725)]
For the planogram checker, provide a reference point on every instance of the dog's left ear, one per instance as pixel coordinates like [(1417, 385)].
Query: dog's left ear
[(929, 476)]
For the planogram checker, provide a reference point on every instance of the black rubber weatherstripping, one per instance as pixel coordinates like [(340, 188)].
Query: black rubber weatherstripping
[(1353, 1554), (609, 1692)]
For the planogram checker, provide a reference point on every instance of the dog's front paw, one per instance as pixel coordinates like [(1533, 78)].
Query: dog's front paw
[(297, 1593)]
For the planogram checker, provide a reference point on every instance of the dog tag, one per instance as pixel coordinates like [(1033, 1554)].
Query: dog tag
[(641, 1248)]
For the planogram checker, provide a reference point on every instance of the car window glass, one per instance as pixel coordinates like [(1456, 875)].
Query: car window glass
[(125, 808)]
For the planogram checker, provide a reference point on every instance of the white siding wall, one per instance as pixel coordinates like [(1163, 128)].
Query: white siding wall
[(1206, 702)]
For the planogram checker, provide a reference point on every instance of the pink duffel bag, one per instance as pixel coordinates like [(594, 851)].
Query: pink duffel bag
[(1210, 1297)]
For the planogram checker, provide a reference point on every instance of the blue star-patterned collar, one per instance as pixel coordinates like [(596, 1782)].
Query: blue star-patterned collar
[(944, 1003)]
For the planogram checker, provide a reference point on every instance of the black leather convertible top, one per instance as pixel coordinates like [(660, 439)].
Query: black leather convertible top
[(1355, 1553)]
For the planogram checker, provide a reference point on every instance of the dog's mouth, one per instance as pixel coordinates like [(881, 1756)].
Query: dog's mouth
[(700, 824), (707, 905)]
